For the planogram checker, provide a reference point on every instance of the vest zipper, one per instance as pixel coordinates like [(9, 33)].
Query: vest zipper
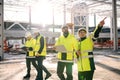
[(81, 57)]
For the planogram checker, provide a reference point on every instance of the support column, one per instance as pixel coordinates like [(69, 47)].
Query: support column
[(95, 20), (87, 24), (115, 32), (1, 29), (53, 20), (30, 17), (111, 29), (64, 13)]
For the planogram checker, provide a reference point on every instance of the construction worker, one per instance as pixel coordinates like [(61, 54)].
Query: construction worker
[(40, 52), (86, 65), (65, 59), (30, 55)]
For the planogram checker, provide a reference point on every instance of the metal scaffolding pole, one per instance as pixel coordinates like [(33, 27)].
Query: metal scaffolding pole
[(53, 20), (111, 29), (87, 24), (29, 17), (64, 13), (115, 32), (95, 20), (1, 29)]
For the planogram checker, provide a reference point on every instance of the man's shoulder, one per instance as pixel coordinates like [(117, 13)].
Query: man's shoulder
[(61, 37), (71, 36), (40, 36)]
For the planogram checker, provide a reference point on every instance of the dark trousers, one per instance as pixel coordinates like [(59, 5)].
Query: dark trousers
[(60, 70), (28, 64), (41, 66), (87, 75)]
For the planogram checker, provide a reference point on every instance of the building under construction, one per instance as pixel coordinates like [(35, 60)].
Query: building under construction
[(48, 16)]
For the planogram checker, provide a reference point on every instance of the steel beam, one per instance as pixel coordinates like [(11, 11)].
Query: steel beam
[(1, 29)]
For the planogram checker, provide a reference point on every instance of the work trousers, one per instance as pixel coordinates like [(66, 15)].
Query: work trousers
[(87, 75), (28, 64), (60, 70), (41, 66)]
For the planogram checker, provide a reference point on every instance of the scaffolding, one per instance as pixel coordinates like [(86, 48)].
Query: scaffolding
[(79, 11)]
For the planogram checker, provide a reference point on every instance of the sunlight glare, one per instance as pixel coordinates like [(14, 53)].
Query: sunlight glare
[(41, 12)]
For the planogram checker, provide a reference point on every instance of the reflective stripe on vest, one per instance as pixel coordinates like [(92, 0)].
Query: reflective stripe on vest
[(75, 51), (86, 51), (65, 61), (30, 57), (90, 56)]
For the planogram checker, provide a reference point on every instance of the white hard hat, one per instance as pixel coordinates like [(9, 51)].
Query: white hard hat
[(81, 29), (27, 34), (36, 31)]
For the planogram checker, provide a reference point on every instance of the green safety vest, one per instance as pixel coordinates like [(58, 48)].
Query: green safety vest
[(85, 47), (37, 46), (70, 43), (30, 43)]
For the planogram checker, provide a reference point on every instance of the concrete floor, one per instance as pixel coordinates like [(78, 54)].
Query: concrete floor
[(107, 66)]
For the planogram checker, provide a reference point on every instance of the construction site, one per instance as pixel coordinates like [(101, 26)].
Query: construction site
[(48, 16)]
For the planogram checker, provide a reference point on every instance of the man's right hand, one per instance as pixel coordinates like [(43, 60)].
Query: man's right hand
[(24, 48), (37, 54), (30, 49), (54, 48), (78, 53)]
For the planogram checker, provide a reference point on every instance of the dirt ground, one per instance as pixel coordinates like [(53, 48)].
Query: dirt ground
[(13, 67)]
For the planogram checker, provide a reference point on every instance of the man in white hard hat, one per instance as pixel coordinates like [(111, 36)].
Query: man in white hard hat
[(85, 56), (40, 53), (30, 55)]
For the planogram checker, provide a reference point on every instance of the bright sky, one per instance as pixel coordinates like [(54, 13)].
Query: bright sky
[(98, 19), (43, 13)]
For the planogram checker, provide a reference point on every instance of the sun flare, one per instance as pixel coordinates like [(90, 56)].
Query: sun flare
[(42, 13)]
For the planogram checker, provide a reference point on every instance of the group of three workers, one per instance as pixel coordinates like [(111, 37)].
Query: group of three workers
[(82, 49)]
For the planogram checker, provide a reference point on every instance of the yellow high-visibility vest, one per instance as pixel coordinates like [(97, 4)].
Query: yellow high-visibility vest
[(30, 43), (85, 46), (37, 46), (70, 43)]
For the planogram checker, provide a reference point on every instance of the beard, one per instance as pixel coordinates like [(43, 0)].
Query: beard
[(65, 34)]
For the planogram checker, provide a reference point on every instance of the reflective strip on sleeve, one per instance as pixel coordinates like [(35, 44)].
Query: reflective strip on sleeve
[(65, 61), (95, 38), (30, 57), (86, 51), (75, 51)]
